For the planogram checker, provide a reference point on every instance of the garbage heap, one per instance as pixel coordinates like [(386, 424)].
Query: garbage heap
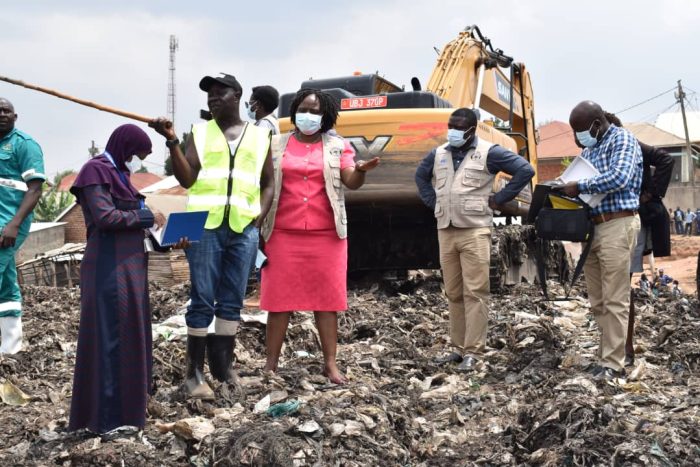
[(531, 400)]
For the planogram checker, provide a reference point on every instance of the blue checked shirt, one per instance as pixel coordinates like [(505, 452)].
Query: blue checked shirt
[(618, 158)]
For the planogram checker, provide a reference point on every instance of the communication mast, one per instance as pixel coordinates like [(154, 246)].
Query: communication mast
[(171, 90), (171, 79)]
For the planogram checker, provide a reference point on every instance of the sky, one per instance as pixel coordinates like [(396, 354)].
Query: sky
[(617, 53)]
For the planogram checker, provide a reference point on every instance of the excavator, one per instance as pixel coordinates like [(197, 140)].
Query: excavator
[(389, 227)]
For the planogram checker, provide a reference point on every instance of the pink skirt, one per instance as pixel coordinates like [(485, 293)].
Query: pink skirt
[(305, 271)]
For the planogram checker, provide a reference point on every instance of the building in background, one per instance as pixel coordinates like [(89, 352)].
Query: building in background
[(555, 148)]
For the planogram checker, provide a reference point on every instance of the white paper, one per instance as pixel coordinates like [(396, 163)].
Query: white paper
[(260, 259), (157, 233), (580, 169)]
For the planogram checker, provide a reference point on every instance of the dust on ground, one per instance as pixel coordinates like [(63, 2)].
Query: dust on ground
[(530, 402)]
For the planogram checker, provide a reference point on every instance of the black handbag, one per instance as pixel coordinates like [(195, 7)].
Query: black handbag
[(554, 223)]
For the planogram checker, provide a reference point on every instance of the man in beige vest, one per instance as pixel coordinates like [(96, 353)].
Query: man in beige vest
[(455, 180)]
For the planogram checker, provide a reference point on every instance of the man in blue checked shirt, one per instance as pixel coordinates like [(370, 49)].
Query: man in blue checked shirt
[(616, 154)]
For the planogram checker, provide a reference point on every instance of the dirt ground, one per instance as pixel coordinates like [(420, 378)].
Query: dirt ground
[(683, 262), (531, 402)]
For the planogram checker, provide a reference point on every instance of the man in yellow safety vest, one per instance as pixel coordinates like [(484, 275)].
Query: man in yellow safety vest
[(228, 171)]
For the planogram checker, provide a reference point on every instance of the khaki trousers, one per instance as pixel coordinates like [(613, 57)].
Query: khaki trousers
[(607, 271), (465, 257)]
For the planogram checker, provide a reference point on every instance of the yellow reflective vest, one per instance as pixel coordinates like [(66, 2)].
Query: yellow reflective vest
[(229, 180)]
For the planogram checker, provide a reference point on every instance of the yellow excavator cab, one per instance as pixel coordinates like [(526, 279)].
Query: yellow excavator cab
[(389, 227)]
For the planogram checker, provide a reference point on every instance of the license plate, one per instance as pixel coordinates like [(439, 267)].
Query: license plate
[(357, 103)]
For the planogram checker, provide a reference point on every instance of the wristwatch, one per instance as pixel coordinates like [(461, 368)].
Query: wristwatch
[(171, 143)]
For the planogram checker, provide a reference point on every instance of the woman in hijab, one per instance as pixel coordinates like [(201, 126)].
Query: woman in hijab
[(113, 363)]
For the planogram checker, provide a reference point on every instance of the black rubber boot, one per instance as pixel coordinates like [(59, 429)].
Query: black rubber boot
[(220, 354), (195, 384)]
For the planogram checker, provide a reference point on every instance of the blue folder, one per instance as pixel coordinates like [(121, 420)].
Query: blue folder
[(182, 224)]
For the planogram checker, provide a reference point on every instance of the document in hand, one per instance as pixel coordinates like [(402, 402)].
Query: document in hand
[(579, 169), (179, 225)]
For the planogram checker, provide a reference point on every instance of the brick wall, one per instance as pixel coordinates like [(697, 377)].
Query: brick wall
[(75, 225), (549, 169)]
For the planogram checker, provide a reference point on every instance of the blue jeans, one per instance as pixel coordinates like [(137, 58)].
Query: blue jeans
[(219, 267)]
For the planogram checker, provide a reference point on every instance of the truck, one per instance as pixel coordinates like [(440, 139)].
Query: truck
[(390, 229)]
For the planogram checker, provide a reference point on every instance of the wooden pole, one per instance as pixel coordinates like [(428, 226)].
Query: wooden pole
[(94, 105)]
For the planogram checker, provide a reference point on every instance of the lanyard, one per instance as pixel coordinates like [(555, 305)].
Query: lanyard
[(122, 177)]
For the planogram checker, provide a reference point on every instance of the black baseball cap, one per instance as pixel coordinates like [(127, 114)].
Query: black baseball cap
[(225, 80)]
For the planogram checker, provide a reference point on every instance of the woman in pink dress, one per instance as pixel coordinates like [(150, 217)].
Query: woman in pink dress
[(305, 231)]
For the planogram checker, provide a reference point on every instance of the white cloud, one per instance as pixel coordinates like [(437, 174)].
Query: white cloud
[(618, 53)]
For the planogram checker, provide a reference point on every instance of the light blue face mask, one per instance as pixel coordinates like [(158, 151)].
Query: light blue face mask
[(308, 123), (251, 114), (456, 137), (134, 164), (585, 138)]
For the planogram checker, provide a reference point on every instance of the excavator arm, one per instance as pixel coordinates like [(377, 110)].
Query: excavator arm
[(471, 73)]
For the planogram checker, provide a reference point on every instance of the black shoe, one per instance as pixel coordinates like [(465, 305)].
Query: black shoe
[(452, 357), (195, 384), (608, 374), (468, 364), (593, 369), (220, 355), (629, 361)]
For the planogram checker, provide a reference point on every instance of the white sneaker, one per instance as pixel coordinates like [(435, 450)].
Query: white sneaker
[(10, 334)]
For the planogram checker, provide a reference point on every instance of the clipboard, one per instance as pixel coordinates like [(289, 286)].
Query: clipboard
[(179, 225), (580, 169)]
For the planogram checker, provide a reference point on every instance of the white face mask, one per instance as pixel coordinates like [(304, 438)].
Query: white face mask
[(308, 123), (134, 164)]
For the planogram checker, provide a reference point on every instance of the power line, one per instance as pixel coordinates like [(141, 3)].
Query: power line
[(656, 114), (621, 111), (645, 101)]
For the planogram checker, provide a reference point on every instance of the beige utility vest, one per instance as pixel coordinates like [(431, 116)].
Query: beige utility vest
[(463, 195), (333, 147)]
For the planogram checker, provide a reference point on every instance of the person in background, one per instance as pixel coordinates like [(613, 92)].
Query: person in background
[(260, 107), (113, 365), (688, 220), (228, 172), (617, 156), (306, 231), (673, 222), (21, 178), (664, 279), (644, 283), (697, 221), (463, 170), (678, 216), (676, 291), (263, 101)]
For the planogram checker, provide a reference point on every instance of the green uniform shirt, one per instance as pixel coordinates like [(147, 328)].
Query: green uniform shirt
[(21, 160)]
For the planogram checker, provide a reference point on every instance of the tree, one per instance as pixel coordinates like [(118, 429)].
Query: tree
[(51, 204), (53, 201)]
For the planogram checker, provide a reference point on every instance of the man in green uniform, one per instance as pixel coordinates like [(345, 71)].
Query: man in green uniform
[(21, 177)]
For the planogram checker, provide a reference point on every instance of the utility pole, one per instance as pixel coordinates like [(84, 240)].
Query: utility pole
[(171, 85), (93, 150), (688, 168)]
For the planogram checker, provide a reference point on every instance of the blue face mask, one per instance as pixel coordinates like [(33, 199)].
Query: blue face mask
[(456, 138), (585, 138), (251, 112), (308, 123)]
